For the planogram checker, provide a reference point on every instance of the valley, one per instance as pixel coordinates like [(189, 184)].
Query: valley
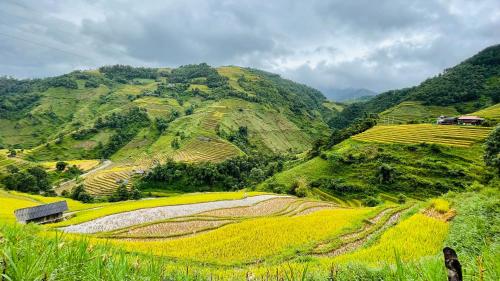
[(233, 173)]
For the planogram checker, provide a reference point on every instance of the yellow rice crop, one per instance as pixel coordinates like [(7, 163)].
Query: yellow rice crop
[(126, 206), (257, 239), (418, 133), (81, 164), (9, 203), (440, 205), (415, 237)]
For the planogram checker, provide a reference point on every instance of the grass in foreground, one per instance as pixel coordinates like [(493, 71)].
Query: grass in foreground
[(25, 256)]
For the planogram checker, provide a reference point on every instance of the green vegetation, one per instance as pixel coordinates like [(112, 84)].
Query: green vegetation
[(415, 112), (358, 170), (232, 174), (467, 87), (492, 153)]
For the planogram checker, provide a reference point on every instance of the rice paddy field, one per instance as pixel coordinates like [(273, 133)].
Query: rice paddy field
[(413, 111), (234, 235), (458, 136), (492, 112)]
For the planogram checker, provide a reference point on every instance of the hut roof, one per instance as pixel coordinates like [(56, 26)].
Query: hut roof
[(26, 214), (470, 118)]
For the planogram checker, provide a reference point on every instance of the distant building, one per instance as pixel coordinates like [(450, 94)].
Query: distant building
[(444, 120), (470, 120), (52, 212)]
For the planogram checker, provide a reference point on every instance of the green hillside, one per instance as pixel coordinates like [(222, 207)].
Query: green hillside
[(415, 112), (362, 170), (138, 117), (467, 87)]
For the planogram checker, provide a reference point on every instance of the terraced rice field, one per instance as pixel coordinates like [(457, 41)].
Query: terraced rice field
[(209, 220), (172, 229), (6, 161), (107, 181), (212, 118), (414, 111), (492, 112), (256, 239), (200, 150), (459, 136), (84, 165), (415, 237), (127, 219), (242, 230)]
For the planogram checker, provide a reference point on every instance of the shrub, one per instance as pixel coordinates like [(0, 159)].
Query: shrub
[(79, 193), (386, 174), (475, 187), (61, 165), (401, 198), (492, 151), (371, 201), (300, 187)]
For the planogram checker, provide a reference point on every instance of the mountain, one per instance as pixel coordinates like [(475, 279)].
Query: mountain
[(370, 156), (137, 117), (348, 95), (467, 87)]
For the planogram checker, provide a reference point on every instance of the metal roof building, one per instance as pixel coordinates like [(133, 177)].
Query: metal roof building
[(42, 214)]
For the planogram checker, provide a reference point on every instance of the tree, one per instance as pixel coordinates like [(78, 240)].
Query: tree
[(12, 152), (175, 143), (386, 174), (79, 193), (61, 165), (492, 151), (257, 175), (121, 193), (371, 201), (135, 193), (161, 124), (189, 110)]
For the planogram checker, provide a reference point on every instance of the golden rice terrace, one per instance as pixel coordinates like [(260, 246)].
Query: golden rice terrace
[(459, 136)]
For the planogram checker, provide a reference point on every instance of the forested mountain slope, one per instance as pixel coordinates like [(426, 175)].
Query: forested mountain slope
[(467, 87)]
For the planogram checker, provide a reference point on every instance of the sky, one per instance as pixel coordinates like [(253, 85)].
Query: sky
[(377, 45)]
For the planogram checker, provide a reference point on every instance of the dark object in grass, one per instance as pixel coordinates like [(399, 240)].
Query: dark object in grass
[(452, 264)]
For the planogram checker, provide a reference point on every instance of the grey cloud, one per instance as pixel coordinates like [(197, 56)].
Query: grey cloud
[(377, 45)]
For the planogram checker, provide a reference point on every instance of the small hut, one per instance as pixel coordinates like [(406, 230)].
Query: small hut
[(470, 120), (47, 213)]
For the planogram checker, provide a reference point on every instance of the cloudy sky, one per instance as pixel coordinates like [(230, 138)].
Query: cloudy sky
[(378, 45)]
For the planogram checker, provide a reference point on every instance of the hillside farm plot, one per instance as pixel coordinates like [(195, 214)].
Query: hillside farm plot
[(190, 225), (414, 237), (107, 181), (492, 112), (205, 149), (127, 219), (257, 239), (459, 136), (415, 111), (83, 165)]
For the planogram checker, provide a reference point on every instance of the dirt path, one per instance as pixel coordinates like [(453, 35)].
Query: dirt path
[(126, 219), (68, 184)]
